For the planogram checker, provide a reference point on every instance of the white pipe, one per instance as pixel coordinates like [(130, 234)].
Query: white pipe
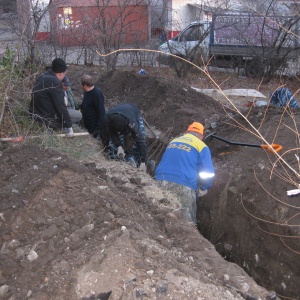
[(20, 138)]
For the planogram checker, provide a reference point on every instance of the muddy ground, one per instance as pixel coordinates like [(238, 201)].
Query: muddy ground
[(75, 225)]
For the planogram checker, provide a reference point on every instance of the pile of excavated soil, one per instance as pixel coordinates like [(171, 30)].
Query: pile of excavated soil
[(86, 230)]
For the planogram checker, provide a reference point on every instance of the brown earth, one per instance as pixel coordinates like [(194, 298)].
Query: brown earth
[(75, 225)]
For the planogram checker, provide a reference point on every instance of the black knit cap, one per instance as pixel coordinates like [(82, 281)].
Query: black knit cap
[(118, 123), (58, 65)]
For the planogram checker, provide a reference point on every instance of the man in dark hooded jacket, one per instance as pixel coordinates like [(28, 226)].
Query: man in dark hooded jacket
[(47, 101), (120, 121)]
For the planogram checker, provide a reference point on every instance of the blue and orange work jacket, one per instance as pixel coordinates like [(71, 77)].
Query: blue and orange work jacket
[(187, 161)]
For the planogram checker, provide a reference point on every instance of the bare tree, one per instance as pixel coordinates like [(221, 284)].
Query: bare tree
[(32, 17), (272, 58)]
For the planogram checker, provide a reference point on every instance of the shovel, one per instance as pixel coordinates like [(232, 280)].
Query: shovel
[(271, 148)]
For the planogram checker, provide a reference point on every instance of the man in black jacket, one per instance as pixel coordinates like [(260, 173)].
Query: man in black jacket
[(92, 107), (120, 121), (47, 100)]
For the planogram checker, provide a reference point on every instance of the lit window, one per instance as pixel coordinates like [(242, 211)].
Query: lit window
[(67, 10)]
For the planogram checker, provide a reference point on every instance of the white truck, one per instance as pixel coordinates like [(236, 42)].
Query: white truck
[(234, 40)]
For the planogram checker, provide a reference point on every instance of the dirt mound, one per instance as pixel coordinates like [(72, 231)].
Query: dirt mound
[(168, 105), (73, 231)]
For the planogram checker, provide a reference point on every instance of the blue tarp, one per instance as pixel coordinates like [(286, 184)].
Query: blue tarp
[(283, 97)]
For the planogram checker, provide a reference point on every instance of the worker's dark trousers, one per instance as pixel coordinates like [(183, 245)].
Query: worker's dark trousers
[(186, 199)]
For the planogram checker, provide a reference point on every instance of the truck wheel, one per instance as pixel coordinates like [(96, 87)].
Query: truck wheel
[(255, 68)]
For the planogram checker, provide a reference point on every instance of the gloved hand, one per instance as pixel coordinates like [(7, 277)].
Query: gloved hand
[(201, 193), (120, 153), (69, 132), (106, 149), (143, 167)]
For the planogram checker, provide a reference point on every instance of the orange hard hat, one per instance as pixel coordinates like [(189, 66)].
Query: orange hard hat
[(196, 127)]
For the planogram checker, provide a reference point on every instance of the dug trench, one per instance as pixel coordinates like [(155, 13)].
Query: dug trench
[(90, 228), (247, 215)]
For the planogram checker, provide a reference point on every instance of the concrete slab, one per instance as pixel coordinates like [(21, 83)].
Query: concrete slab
[(233, 92), (244, 93), (240, 98)]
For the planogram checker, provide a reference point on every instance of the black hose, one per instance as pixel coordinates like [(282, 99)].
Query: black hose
[(234, 143)]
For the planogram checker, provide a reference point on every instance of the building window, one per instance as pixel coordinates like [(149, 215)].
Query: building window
[(67, 10)]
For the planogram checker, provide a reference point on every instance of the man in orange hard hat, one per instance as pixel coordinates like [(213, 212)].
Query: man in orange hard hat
[(186, 168)]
